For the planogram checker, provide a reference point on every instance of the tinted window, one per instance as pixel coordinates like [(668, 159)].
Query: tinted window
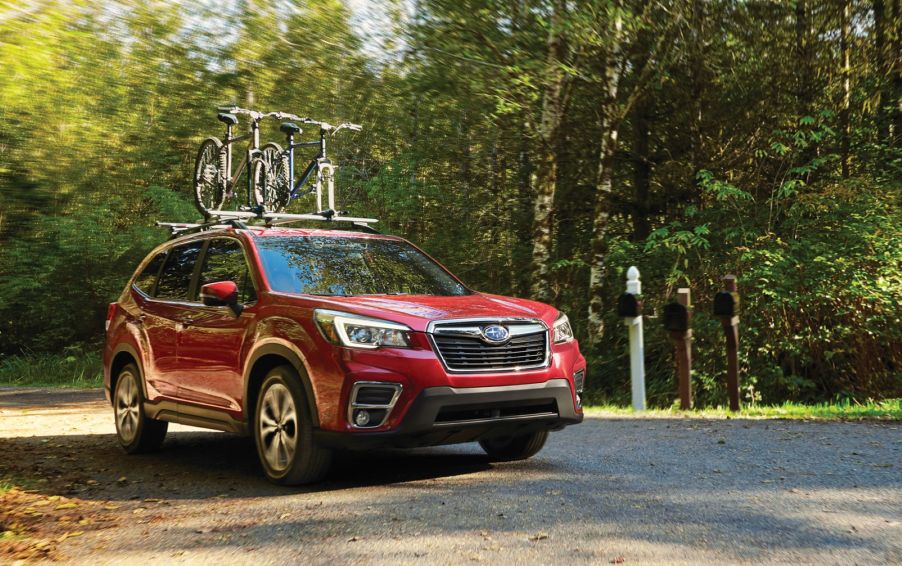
[(145, 281), (321, 265), (176, 277), (224, 261)]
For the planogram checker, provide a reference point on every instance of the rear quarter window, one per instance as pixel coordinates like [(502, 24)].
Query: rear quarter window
[(146, 280)]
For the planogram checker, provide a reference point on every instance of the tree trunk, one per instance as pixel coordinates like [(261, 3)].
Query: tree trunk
[(545, 177), (884, 67), (698, 86), (897, 74), (641, 167), (604, 181), (845, 127), (523, 222), (804, 94)]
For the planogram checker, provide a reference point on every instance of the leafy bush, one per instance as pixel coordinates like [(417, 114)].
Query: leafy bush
[(819, 314)]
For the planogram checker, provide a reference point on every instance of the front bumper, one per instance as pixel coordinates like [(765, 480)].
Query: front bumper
[(449, 415)]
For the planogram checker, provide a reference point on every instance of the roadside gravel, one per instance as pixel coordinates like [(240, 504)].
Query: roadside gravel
[(611, 490)]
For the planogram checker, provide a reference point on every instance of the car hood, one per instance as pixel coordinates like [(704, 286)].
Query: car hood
[(416, 311)]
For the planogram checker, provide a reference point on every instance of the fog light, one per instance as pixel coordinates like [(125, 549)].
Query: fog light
[(362, 418)]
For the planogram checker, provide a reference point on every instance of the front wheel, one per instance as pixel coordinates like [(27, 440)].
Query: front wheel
[(210, 176), (283, 431), (136, 432), (510, 448)]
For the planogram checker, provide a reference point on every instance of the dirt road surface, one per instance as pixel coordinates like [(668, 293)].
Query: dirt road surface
[(609, 491)]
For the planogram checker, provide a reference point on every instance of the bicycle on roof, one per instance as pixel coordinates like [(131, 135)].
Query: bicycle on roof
[(279, 188), (214, 181)]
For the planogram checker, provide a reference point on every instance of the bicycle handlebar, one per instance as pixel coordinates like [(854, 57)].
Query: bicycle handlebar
[(257, 116), (254, 115)]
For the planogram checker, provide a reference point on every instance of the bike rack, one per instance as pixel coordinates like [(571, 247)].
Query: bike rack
[(236, 218)]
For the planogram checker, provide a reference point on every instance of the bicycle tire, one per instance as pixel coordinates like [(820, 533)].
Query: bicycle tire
[(261, 178), (276, 192), (209, 179)]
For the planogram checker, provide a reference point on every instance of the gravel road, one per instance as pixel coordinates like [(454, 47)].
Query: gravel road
[(612, 490)]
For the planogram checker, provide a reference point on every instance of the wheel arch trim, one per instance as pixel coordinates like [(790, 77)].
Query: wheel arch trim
[(293, 355), (126, 348)]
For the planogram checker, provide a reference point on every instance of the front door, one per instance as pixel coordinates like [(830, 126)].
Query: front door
[(211, 343)]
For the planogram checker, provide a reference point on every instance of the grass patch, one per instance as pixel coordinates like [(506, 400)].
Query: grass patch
[(889, 409), (79, 369)]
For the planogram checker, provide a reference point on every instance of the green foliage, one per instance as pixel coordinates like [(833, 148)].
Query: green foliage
[(887, 409), (74, 367), (730, 139)]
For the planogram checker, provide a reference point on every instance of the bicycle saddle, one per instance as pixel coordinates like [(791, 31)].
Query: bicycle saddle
[(225, 118), (289, 128)]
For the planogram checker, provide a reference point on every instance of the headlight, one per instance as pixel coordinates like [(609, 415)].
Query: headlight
[(361, 332), (562, 330)]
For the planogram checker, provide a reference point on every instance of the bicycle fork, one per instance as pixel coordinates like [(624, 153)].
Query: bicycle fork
[(325, 171)]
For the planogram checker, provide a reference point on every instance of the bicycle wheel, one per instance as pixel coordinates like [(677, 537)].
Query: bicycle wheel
[(209, 176), (275, 193), (262, 180)]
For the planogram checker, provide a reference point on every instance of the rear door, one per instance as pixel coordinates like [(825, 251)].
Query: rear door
[(210, 347), (164, 315)]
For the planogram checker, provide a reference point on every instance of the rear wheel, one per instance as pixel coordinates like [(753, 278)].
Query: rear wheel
[(283, 431), (509, 448), (209, 176), (137, 433), (275, 193)]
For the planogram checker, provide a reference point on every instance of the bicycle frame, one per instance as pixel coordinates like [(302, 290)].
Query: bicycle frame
[(253, 151), (320, 164)]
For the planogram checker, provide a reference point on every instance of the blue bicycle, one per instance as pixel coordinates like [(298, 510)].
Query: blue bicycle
[(278, 186)]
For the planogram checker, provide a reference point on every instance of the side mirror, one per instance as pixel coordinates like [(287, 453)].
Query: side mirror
[(221, 294)]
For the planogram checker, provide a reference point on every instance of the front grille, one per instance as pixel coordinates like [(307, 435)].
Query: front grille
[(466, 353)]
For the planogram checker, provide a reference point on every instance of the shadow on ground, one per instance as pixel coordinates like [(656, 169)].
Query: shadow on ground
[(201, 464)]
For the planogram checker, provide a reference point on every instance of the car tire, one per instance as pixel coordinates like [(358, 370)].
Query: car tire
[(283, 431), (136, 432), (510, 448)]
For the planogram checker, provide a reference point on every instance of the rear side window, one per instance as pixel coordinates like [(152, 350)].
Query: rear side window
[(224, 261), (148, 277), (175, 281)]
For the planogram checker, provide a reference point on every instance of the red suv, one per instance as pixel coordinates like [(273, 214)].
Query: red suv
[(316, 340)]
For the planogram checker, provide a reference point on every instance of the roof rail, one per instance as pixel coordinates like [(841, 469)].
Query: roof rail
[(177, 229), (236, 219)]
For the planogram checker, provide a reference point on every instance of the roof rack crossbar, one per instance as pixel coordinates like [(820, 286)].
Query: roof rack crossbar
[(326, 216)]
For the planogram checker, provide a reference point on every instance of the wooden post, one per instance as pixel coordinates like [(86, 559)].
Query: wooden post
[(682, 340), (731, 331)]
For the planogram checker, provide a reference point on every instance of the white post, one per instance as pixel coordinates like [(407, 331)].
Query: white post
[(637, 349)]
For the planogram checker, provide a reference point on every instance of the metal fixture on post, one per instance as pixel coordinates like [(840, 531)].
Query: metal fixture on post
[(677, 316), (629, 307), (726, 306)]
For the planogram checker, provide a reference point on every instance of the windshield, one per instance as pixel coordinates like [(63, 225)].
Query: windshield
[(323, 265)]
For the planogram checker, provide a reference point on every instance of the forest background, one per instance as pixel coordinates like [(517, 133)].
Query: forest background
[(537, 148)]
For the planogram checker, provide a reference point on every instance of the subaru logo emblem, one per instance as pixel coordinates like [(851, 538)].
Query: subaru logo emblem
[(495, 334)]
